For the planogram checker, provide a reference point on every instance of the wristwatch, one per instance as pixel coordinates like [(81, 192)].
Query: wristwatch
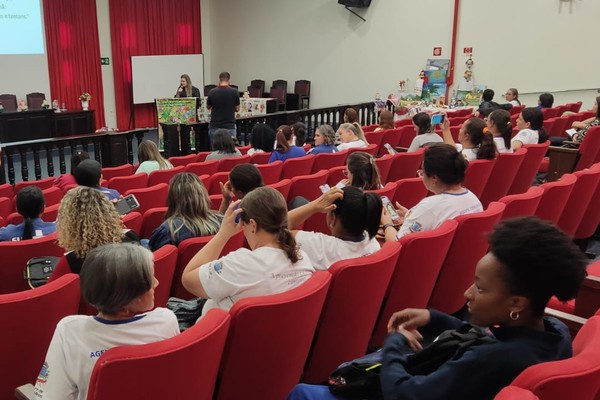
[(385, 226)]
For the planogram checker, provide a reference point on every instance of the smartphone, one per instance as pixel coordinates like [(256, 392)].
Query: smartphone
[(340, 184), (127, 204), (239, 216), (390, 149), (437, 119), (389, 208), (324, 188)]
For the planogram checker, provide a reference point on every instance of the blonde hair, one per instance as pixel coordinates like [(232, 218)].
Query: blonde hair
[(148, 151), (356, 129), (87, 219)]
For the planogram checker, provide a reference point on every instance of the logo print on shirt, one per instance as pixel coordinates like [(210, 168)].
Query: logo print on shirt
[(218, 266), (416, 227)]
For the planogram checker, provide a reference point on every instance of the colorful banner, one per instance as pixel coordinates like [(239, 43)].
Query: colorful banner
[(177, 111), (249, 107)]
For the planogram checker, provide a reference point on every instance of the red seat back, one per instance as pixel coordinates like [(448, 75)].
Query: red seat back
[(405, 165), (202, 168), (308, 185), (227, 164), (529, 168), (150, 197), (555, 197), (260, 158), (201, 156), (151, 220), (133, 221), (375, 138), (6, 207), (523, 204), (336, 174), (122, 170), (154, 370), (579, 200), (407, 134), (391, 137), (6, 190), (388, 190), (409, 191), (477, 175), (53, 195), (328, 161), (297, 166), (283, 187), (163, 175), (165, 261), (41, 183), (124, 183), (515, 393), (271, 173), (371, 149), (177, 161), (50, 214), (384, 164), (589, 150), (503, 173), (214, 187), (591, 217)]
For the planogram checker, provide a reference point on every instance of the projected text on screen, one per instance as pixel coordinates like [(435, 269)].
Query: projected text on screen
[(21, 27)]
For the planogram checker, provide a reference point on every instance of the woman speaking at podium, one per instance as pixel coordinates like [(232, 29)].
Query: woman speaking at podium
[(185, 89)]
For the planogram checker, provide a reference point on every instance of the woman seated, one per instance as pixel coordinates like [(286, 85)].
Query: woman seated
[(324, 140), (353, 219), (443, 173), (583, 126), (273, 265), (386, 121), (243, 179), (223, 146), (30, 205), (498, 123), (425, 132), (118, 279), (299, 132), (362, 172), (529, 123), (507, 300), (546, 100), (475, 140), (512, 97), (351, 137), (86, 220), (150, 159), (351, 117), (285, 148), (262, 139), (65, 180), (188, 213)]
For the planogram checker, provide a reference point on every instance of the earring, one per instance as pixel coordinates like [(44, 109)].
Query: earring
[(514, 315)]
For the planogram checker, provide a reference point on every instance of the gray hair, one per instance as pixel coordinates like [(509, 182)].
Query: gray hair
[(115, 274), (328, 134)]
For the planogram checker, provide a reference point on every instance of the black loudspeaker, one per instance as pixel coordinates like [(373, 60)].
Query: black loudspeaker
[(355, 3)]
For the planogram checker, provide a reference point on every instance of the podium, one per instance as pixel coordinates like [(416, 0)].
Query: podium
[(177, 118)]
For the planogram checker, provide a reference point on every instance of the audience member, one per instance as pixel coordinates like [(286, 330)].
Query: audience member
[(583, 126), (261, 139), (324, 140), (352, 217), (118, 279), (512, 96), (299, 132), (530, 127), (243, 179), (274, 264), (475, 140), (223, 146), (150, 159), (546, 100), (350, 137), (487, 104), (506, 302), (362, 172), (188, 213), (65, 180), (425, 132), (88, 173), (443, 173), (30, 205), (498, 123), (386, 121), (351, 117), (285, 148)]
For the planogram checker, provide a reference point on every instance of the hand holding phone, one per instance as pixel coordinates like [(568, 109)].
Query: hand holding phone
[(127, 204), (390, 208), (437, 119), (324, 188)]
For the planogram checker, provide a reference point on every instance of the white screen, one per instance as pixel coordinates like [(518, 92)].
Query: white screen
[(21, 27), (156, 77)]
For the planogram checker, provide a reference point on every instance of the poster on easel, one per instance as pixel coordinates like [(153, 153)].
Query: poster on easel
[(173, 111)]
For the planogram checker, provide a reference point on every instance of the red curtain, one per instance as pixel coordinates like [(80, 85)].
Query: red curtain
[(148, 27), (74, 53)]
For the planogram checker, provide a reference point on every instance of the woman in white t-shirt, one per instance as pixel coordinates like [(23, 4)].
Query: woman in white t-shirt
[(529, 123), (150, 159), (498, 123), (353, 219), (273, 265), (512, 96), (118, 279), (475, 140), (425, 132), (361, 171), (443, 173), (351, 136)]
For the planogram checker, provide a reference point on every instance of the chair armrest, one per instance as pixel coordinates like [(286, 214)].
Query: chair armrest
[(573, 322), (25, 392), (401, 149), (588, 298), (574, 145), (562, 161)]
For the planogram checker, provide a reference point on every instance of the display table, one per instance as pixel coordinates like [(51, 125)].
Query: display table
[(250, 107), (18, 126)]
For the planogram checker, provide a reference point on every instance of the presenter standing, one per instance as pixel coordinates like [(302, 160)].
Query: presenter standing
[(186, 89), (224, 102)]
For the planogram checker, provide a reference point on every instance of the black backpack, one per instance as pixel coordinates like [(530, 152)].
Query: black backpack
[(38, 270)]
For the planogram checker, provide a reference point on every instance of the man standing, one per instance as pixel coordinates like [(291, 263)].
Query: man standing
[(224, 102)]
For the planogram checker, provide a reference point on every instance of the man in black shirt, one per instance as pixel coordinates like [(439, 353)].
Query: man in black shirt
[(224, 102)]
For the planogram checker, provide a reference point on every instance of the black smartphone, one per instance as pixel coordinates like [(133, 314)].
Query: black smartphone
[(127, 204)]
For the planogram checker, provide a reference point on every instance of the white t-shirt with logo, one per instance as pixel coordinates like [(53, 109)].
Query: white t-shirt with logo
[(526, 136), (351, 145), (324, 250), (468, 154), (432, 211), (245, 273), (79, 340)]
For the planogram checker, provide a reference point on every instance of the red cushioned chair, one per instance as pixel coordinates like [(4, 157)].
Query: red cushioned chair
[(298, 166), (579, 200), (163, 175), (244, 149), (150, 197), (2, 222), (416, 272), (477, 174), (201, 168), (587, 302), (260, 360), (182, 367), (384, 164), (515, 393), (133, 221), (50, 214), (371, 149), (308, 185), (407, 134), (177, 161), (591, 217), (516, 110), (214, 186), (215, 201), (260, 158), (165, 261), (409, 191), (283, 187), (405, 165), (555, 197), (503, 174), (403, 122), (14, 219), (391, 137), (124, 183), (188, 248), (53, 195), (575, 107), (560, 126), (271, 173), (122, 170), (345, 312), (6, 207), (41, 183), (589, 150), (369, 128), (227, 164), (577, 377), (15, 256), (388, 190), (151, 220), (336, 174), (375, 138), (529, 167), (524, 204), (201, 156), (549, 124), (467, 248), (6, 190), (328, 161), (29, 319)]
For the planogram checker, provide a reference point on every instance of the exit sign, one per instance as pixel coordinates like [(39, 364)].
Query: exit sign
[(468, 50), (104, 61), (437, 51)]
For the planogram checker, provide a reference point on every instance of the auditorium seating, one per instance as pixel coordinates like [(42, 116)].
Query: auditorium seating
[(283, 187), (41, 183), (122, 170), (165, 262), (503, 173), (260, 158), (203, 167), (163, 175), (307, 186), (409, 191), (555, 197), (522, 204), (227, 164), (297, 166), (579, 200), (150, 197), (182, 160), (328, 161), (529, 167), (477, 175), (151, 220), (384, 165), (271, 173), (124, 183), (405, 165), (133, 221)]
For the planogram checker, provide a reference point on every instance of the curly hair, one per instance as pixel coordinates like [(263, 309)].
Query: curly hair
[(87, 219)]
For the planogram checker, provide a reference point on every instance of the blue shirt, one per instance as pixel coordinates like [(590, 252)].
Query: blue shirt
[(15, 232), (112, 194), (293, 152), (323, 148)]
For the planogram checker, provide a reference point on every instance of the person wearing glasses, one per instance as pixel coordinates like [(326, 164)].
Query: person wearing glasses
[(443, 173), (512, 97)]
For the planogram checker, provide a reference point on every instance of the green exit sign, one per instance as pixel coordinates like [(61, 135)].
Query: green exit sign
[(104, 61)]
